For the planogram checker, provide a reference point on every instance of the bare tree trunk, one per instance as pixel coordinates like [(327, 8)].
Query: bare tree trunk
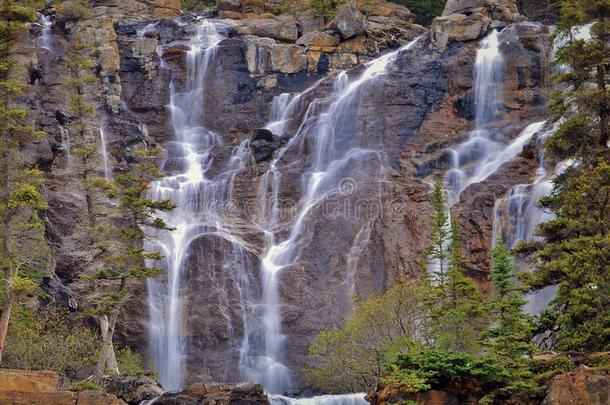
[(7, 305), (107, 362)]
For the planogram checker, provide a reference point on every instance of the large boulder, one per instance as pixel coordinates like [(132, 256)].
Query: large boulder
[(458, 27), (349, 21), (582, 386), (133, 390), (283, 28), (28, 381), (503, 10)]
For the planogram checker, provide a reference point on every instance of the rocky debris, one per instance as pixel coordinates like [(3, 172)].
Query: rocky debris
[(216, 394), (348, 21), (582, 386), (319, 41), (133, 390), (21, 387)]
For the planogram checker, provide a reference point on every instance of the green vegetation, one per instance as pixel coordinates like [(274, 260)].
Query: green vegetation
[(575, 254), (23, 250), (437, 331), (193, 6), (71, 10), (47, 340), (325, 9), (425, 10)]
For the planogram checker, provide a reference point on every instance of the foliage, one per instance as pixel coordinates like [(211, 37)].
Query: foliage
[(69, 10), (353, 358), (84, 385), (574, 256), (130, 362), (455, 314), (48, 340), (190, 6), (325, 9), (23, 250), (547, 368), (425, 10)]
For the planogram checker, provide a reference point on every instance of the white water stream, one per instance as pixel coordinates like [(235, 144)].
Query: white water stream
[(339, 154)]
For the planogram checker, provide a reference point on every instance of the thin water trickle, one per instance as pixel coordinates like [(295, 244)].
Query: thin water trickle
[(104, 150), (65, 143)]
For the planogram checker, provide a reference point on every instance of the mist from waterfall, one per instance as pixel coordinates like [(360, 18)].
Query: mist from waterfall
[(340, 154)]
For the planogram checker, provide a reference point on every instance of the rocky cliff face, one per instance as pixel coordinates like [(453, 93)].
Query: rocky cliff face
[(422, 105)]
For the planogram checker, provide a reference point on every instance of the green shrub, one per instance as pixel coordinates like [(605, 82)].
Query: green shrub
[(85, 385), (599, 360), (70, 10), (49, 341), (130, 362), (325, 9), (193, 6), (548, 368)]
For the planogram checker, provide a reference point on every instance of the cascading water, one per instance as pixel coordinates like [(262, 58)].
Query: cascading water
[(46, 22), (104, 150), (485, 151), (188, 160), (65, 143), (339, 153)]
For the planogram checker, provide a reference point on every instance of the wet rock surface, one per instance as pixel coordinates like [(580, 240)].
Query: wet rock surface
[(216, 394), (421, 106)]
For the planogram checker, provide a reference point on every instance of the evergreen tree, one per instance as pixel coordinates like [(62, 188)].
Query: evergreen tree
[(22, 246), (455, 305), (509, 337), (121, 242), (574, 256), (440, 235)]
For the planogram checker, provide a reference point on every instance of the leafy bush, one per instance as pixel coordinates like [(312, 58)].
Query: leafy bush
[(84, 385), (130, 362), (196, 5), (325, 9), (548, 368), (50, 342), (73, 10), (353, 358)]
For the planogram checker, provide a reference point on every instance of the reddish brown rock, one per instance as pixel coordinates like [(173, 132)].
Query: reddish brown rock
[(580, 387), (28, 381)]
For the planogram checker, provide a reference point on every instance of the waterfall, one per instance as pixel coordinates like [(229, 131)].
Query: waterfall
[(485, 151), (65, 143), (104, 150), (46, 22), (339, 153), (197, 197)]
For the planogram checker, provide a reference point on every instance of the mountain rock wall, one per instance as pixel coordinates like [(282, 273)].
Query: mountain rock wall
[(423, 105)]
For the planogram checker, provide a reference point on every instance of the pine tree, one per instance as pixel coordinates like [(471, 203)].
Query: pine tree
[(454, 303), (121, 242), (22, 246), (574, 255), (440, 234), (510, 336)]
